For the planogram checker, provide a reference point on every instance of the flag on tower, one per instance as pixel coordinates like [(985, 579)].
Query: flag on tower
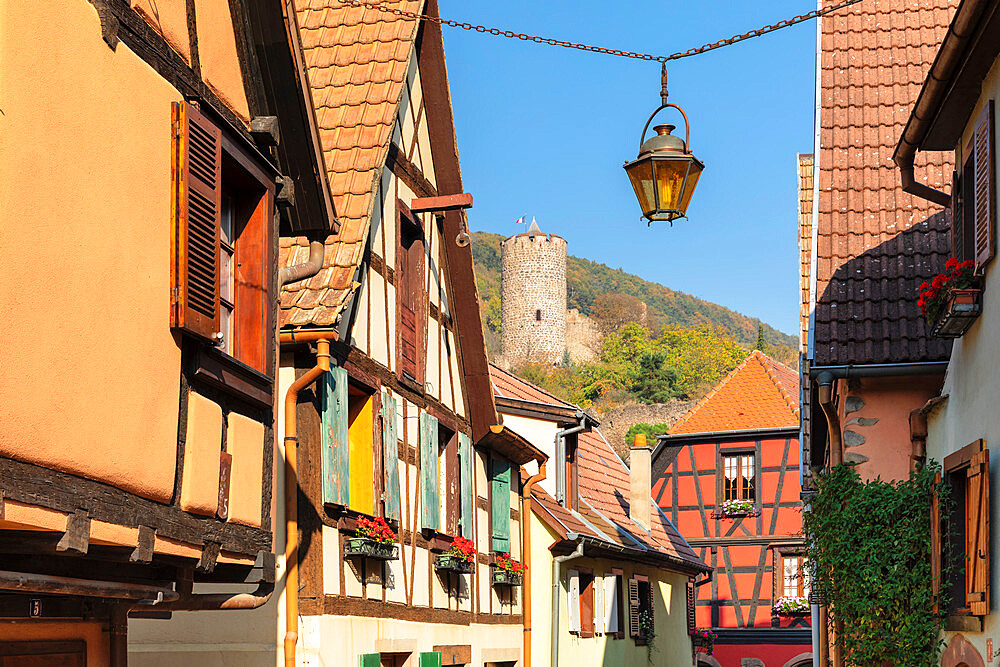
[(520, 221)]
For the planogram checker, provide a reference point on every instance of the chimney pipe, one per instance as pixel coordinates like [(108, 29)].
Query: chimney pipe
[(640, 460)]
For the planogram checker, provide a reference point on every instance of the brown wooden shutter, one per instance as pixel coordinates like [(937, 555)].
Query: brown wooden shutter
[(977, 546), (985, 204), (253, 281), (633, 608), (936, 542), (197, 206), (692, 600), (587, 605), (410, 295)]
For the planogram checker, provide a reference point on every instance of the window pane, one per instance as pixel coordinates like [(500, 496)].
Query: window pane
[(225, 275), (226, 227), (791, 577), (226, 327)]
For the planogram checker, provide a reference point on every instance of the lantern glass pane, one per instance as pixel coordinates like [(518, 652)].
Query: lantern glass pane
[(640, 173), (692, 181), (669, 181)]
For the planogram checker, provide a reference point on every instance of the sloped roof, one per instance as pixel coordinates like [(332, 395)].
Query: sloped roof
[(508, 385), (805, 174), (876, 244), (604, 493), (356, 60), (759, 393)]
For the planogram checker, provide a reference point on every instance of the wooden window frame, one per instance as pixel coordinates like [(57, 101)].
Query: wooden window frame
[(449, 496), (964, 465), (754, 480), (974, 194), (641, 639), (411, 294), (587, 626), (245, 368)]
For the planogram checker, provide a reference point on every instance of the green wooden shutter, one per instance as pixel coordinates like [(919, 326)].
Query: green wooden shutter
[(465, 474), (335, 452), (370, 660), (390, 457), (432, 659), (430, 505), (500, 491)]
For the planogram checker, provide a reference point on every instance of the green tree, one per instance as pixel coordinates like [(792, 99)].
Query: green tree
[(651, 431), (654, 381)]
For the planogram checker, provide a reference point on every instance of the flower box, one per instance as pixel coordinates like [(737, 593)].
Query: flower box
[(791, 607), (365, 548), (960, 310), (508, 578), (736, 509), (452, 563), (703, 640)]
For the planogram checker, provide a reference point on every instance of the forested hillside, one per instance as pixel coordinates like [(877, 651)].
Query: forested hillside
[(586, 281)]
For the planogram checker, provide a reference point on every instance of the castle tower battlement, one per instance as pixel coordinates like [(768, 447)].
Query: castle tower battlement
[(533, 297)]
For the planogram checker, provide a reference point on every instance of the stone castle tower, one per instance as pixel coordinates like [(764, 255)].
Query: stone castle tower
[(533, 297)]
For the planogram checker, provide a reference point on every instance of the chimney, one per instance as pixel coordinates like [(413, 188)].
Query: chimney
[(639, 481)]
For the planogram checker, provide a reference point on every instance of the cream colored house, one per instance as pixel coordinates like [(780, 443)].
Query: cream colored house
[(611, 580), (388, 411), (956, 111)]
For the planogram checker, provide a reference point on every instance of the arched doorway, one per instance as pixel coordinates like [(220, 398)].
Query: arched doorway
[(705, 660), (801, 660)]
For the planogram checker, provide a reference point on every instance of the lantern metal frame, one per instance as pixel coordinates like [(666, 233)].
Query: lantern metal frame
[(671, 214)]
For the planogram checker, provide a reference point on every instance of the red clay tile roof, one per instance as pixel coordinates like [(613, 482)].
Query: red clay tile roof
[(508, 385), (805, 172), (759, 393), (604, 491), (875, 243), (356, 61)]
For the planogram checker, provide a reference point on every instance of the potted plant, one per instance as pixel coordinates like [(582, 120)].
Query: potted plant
[(506, 570), (791, 606), (703, 640), (735, 508), (375, 539), (952, 301), (459, 557)]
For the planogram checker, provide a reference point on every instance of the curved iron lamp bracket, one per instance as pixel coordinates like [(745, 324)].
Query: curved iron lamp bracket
[(687, 127)]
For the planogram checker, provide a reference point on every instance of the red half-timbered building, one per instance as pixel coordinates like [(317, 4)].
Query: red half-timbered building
[(727, 475)]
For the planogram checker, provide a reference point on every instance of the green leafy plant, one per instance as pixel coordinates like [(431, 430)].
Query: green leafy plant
[(646, 627), (871, 545), (651, 431)]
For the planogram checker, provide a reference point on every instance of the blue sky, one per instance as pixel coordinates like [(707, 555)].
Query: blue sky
[(544, 131)]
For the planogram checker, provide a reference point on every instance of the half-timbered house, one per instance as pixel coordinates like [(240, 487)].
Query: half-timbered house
[(956, 112), (142, 168), (610, 578), (383, 355), (727, 474)]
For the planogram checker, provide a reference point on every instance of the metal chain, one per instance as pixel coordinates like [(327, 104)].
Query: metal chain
[(381, 6)]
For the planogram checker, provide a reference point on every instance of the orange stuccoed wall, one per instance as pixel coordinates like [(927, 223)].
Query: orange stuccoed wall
[(93, 633), (875, 417), (89, 369)]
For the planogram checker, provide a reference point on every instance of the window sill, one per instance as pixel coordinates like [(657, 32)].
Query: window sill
[(233, 377)]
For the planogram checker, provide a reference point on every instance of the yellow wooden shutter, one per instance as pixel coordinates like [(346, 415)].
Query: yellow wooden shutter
[(977, 546), (985, 203), (196, 173)]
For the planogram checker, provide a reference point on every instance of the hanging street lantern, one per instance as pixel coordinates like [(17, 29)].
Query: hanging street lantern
[(666, 172)]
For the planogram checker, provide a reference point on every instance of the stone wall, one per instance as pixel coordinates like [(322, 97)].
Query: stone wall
[(533, 298), (583, 338), (616, 422)]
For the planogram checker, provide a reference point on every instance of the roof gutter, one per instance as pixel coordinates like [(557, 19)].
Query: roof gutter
[(661, 440), (880, 370), (936, 85)]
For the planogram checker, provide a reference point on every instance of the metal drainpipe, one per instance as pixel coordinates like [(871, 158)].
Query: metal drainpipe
[(825, 381), (291, 274), (526, 560), (561, 456), (556, 586), (291, 498)]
